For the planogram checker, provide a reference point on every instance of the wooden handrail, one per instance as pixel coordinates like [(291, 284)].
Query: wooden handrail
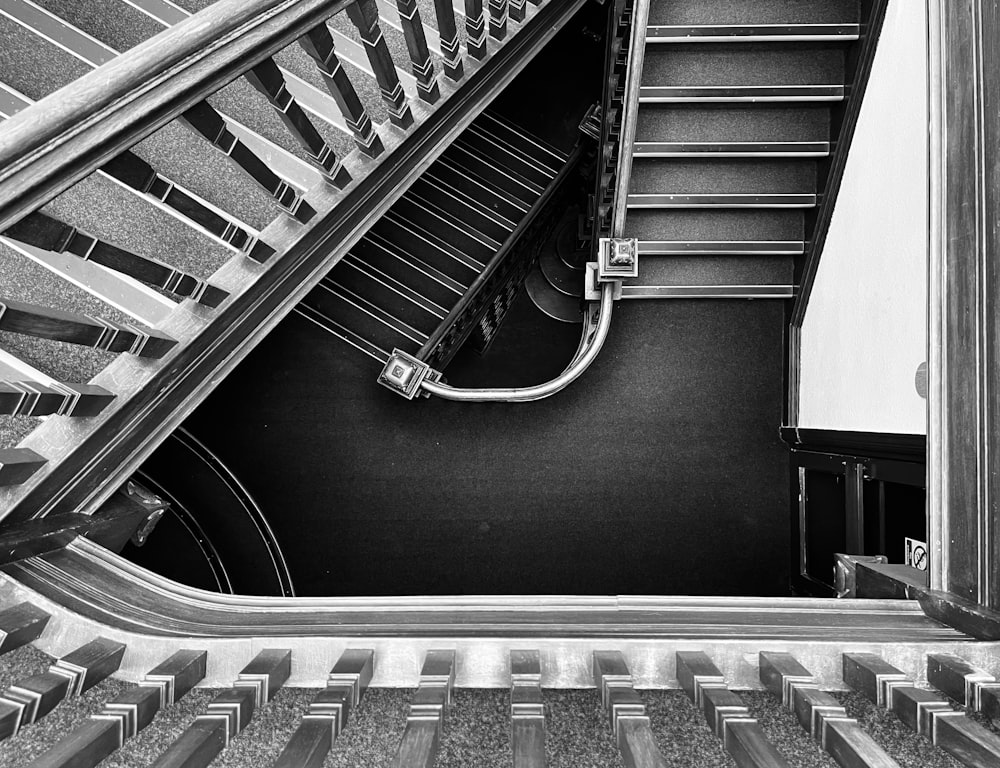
[(50, 146), (633, 73)]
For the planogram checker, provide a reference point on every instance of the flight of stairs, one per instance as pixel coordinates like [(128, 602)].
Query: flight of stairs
[(736, 121), (71, 711), (404, 278)]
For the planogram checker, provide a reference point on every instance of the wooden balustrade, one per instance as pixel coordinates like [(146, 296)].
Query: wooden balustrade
[(318, 43), (420, 57), (626, 712), (527, 710), (428, 709), (46, 232), (18, 464), (475, 29), (364, 15), (128, 713), (498, 19), (451, 50)]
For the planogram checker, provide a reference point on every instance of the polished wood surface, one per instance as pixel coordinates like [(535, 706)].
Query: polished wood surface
[(428, 709), (18, 464), (420, 57), (626, 712), (20, 624)]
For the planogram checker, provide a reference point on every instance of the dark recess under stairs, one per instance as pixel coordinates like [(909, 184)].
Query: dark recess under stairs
[(403, 278)]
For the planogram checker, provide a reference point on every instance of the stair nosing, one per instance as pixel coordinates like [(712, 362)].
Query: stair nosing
[(442, 247), (345, 294), (514, 152), (542, 145), (468, 201), (661, 34), (415, 262), (427, 205), (392, 284), (737, 200), (344, 334), (476, 179), (721, 291)]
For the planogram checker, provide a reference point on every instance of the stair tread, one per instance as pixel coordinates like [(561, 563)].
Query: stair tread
[(550, 301), (342, 332), (555, 157), (771, 122), (412, 239), (371, 323), (769, 200), (408, 269), (697, 12), (482, 166), (709, 291), (739, 93), (749, 64), (731, 149), (720, 269), (382, 293), (717, 175), (750, 247), (711, 33)]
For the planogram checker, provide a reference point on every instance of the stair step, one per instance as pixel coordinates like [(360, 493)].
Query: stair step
[(752, 33), (560, 275), (727, 247), (722, 201), (708, 292), (489, 195), (502, 126), (472, 246), (412, 240), (715, 224), (384, 292), (555, 304), (409, 270), (695, 149), (368, 321), (482, 167), (501, 157), (720, 94), (343, 333), (519, 145), (733, 124), (752, 12), (715, 269), (468, 210)]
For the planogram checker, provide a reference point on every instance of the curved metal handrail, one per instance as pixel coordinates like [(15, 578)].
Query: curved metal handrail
[(586, 353)]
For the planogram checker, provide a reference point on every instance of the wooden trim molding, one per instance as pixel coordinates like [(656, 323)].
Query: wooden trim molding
[(874, 445), (964, 301)]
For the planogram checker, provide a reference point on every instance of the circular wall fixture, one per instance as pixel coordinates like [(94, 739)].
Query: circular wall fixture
[(214, 536)]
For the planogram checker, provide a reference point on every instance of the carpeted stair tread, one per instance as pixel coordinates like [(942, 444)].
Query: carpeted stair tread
[(33, 66), (745, 64), (899, 740), (782, 729), (20, 663), (410, 237), (107, 210), (35, 739), (184, 158), (374, 731), (737, 176), (681, 12), (658, 122), (578, 734), (477, 730), (357, 278), (168, 724), (430, 282), (681, 732), (269, 730), (713, 270), (113, 22), (13, 429), (714, 225)]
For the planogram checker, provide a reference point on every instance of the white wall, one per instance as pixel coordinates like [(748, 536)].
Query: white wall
[(865, 331)]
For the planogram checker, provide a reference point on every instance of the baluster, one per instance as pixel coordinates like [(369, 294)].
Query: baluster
[(204, 119), (420, 57), (134, 172), (364, 15), (318, 43), (475, 29), (47, 323), (498, 19), (16, 466), (43, 231), (518, 9), (267, 78), (448, 32)]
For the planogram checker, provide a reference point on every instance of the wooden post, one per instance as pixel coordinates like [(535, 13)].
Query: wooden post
[(448, 32), (318, 43), (498, 19), (475, 29), (963, 441), (205, 120), (420, 57), (268, 79), (364, 14)]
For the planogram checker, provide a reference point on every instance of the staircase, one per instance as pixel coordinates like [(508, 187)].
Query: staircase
[(220, 203), (406, 277), (729, 131)]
